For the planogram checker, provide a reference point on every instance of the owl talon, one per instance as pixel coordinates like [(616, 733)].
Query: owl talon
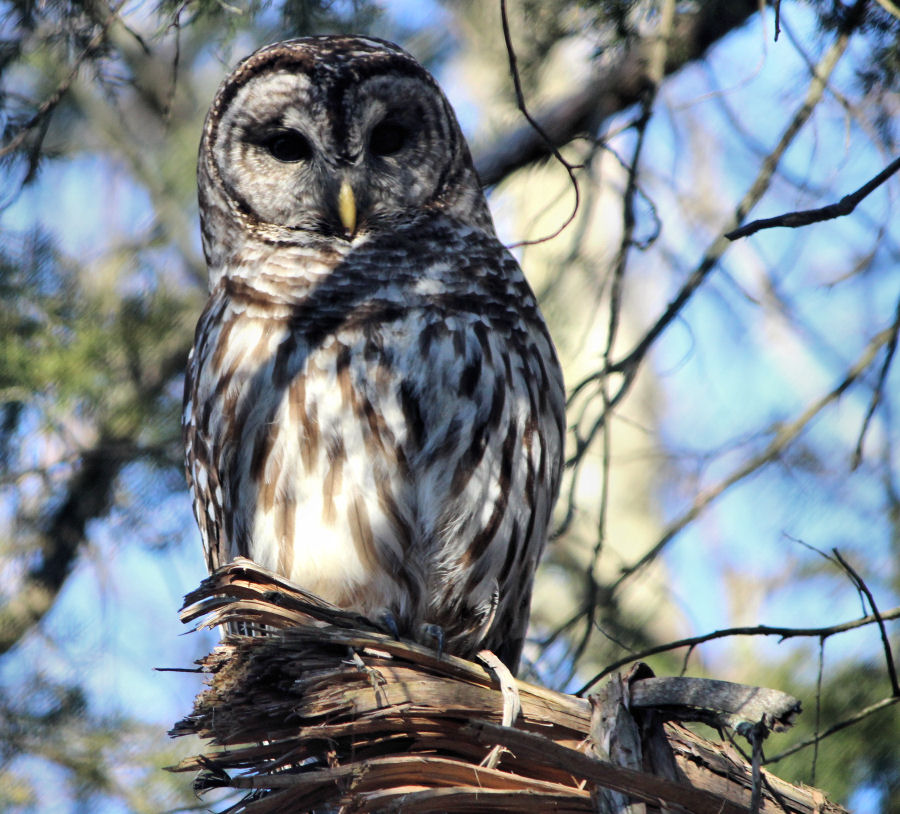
[(389, 622), (435, 632)]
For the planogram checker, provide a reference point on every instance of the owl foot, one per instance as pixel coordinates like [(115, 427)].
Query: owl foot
[(427, 633), (512, 702), (436, 634), (388, 622)]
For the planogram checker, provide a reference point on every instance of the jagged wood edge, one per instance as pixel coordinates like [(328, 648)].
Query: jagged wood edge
[(403, 691)]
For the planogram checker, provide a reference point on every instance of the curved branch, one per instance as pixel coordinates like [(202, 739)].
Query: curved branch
[(807, 216)]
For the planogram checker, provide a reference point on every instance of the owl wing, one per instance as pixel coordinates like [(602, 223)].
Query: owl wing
[(487, 476), (203, 477)]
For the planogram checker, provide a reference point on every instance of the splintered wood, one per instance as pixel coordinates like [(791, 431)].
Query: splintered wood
[(312, 708)]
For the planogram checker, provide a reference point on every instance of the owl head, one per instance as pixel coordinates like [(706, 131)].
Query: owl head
[(321, 141)]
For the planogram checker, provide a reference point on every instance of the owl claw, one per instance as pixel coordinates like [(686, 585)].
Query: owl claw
[(435, 632), (389, 623), (428, 633)]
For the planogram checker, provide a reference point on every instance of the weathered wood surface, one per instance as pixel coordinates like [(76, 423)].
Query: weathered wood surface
[(325, 711)]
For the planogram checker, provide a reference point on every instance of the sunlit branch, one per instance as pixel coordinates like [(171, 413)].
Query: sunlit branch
[(619, 83), (889, 7), (629, 364), (783, 435)]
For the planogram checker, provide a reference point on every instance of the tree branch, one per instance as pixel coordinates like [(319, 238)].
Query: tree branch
[(849, 721), (89, 495), (50, 103), (301, 726), (756, 630), (520, 102), (615, 87), (783, 435), (861, 586), (629, 364), (806, 216)]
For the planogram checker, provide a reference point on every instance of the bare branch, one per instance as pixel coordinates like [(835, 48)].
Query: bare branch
[(655, 74), (807, 216), (863, 588), (629, 364), (853, 719), (783, 434), (879, 389), (757, 630)]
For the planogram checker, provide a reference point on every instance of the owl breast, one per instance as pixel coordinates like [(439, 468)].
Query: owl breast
[(386, 435)]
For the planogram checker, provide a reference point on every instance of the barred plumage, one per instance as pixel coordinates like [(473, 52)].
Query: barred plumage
[(373, 404)]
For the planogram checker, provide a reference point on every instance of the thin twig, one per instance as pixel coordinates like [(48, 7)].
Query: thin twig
[(758, 630), (628, 365), (783, 435), (879, 389), (615, 86), (176, 61), (853, 719), (655, 72), (807, 216), (818, 721), (520, 101), (861, 585)]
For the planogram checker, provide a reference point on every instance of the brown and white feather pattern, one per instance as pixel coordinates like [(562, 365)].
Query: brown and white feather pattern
[(378, 416)]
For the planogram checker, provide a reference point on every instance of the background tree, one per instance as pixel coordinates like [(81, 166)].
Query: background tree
[(732, 404)]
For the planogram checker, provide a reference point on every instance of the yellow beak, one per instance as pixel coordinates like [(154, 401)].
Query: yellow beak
[(347, 207)]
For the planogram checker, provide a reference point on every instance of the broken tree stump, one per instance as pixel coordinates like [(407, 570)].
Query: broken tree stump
[(320, 710)]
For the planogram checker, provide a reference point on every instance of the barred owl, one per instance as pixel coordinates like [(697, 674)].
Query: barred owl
[(373, 405)]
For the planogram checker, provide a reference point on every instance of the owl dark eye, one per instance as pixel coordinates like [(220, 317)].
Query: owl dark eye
[(288, 146), (388, 138)]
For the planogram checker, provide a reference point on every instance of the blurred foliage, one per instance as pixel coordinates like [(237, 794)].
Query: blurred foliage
[(862, 755), (101, 281)]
